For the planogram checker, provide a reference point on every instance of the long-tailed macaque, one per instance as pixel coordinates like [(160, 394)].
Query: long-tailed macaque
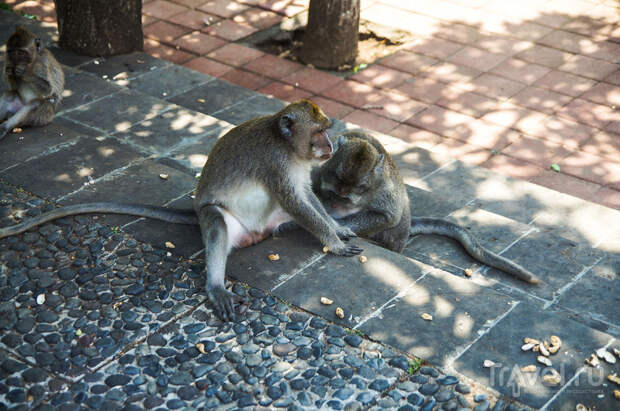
[(35, 82), (361, 187), (257, 177)]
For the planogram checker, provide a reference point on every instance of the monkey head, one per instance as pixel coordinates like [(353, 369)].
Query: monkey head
[(22, 47), (351, 174), (303, 124)]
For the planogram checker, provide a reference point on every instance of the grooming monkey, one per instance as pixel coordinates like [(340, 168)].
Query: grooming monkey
[(361, 187), (35, 83), (257, 177)]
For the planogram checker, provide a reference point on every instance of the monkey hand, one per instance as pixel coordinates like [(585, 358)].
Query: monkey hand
[(345, 250), (222, 301), (345, 233)]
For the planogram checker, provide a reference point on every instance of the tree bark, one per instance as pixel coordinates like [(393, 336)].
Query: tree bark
[(100, 27), (332, 33)]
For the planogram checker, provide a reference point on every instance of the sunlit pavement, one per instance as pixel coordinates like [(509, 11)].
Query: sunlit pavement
[(129, 119)]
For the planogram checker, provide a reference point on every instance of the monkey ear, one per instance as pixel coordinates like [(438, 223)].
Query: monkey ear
[(285, 125)]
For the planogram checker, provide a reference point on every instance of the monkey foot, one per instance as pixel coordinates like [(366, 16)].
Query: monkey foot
[(222, 301)]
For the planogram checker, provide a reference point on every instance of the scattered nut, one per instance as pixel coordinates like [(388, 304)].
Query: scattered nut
[(274, 257), (468, 272), (543, 350), (536, 348), (363, 259), (592, 361), (529, 368), (326, 249), (326, 301), (555, 340), (201, 100), (554, 378), (528, 340), (339, 312), (40, 299), (544, 360), (163, 176), (617, 352), (617, 394), (527, 347), (426, 316), (488, 364), (614, 378), (602, 353), (581, 407), (554, 348), (17, 130), (201, 347), (169, 245)]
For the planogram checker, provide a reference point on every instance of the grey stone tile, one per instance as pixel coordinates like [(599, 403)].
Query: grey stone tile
[(137, 184), (597, 293), (118, 112), (358, 288), (186, 238), (69, 58), (502, 344), (424, 203), (83, 88), (192, 157), (125, 66), (248, 109), (214, 96), (252, 265), (591, 388), (166, 131), (61, 172), (460, 309), (457, 180), (555, 260), (35, 141), (168, 81), (491, 230)]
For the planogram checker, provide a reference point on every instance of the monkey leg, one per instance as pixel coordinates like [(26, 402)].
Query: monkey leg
[(41, 114), (10, 103), (217, 246)]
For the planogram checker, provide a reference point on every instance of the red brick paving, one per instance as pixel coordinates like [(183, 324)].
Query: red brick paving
[(511, 87)]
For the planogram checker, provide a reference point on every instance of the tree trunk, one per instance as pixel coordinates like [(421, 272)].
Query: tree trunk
[(332, 33), (100, 27)]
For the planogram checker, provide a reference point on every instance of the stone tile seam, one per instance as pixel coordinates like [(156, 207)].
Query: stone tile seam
[(587, 314), (580, 371), (482, 331), (49, 150), (449, 163), (72, 109), (571, 283), (111, 175), (308, 263), (242, 101), (398, 296)]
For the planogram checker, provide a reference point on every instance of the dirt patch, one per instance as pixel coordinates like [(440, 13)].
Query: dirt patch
[(375, 42)]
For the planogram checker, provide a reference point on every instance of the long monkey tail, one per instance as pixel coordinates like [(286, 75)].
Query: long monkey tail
[(169, 215), (423, 225)]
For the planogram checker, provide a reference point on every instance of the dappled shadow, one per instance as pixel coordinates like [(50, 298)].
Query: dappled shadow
[(114, 141)]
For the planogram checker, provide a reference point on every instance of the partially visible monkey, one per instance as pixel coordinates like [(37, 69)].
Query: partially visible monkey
[(35, 83), (361, 187), (257, 177)]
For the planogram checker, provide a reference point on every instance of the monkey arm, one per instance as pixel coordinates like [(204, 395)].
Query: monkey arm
[(42, 87)]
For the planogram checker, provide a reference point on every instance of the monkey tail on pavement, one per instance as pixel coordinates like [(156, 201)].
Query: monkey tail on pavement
[(422, 225), (169, 215)]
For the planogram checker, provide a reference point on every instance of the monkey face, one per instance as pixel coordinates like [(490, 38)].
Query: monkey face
[(19, 57), (321, 146)]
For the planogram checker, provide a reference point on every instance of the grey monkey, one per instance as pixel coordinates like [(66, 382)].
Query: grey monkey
[(361, 187)]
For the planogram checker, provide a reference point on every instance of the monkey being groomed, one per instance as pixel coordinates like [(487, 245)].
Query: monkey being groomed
[(257, 177), (35, 82), (361, 187)]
